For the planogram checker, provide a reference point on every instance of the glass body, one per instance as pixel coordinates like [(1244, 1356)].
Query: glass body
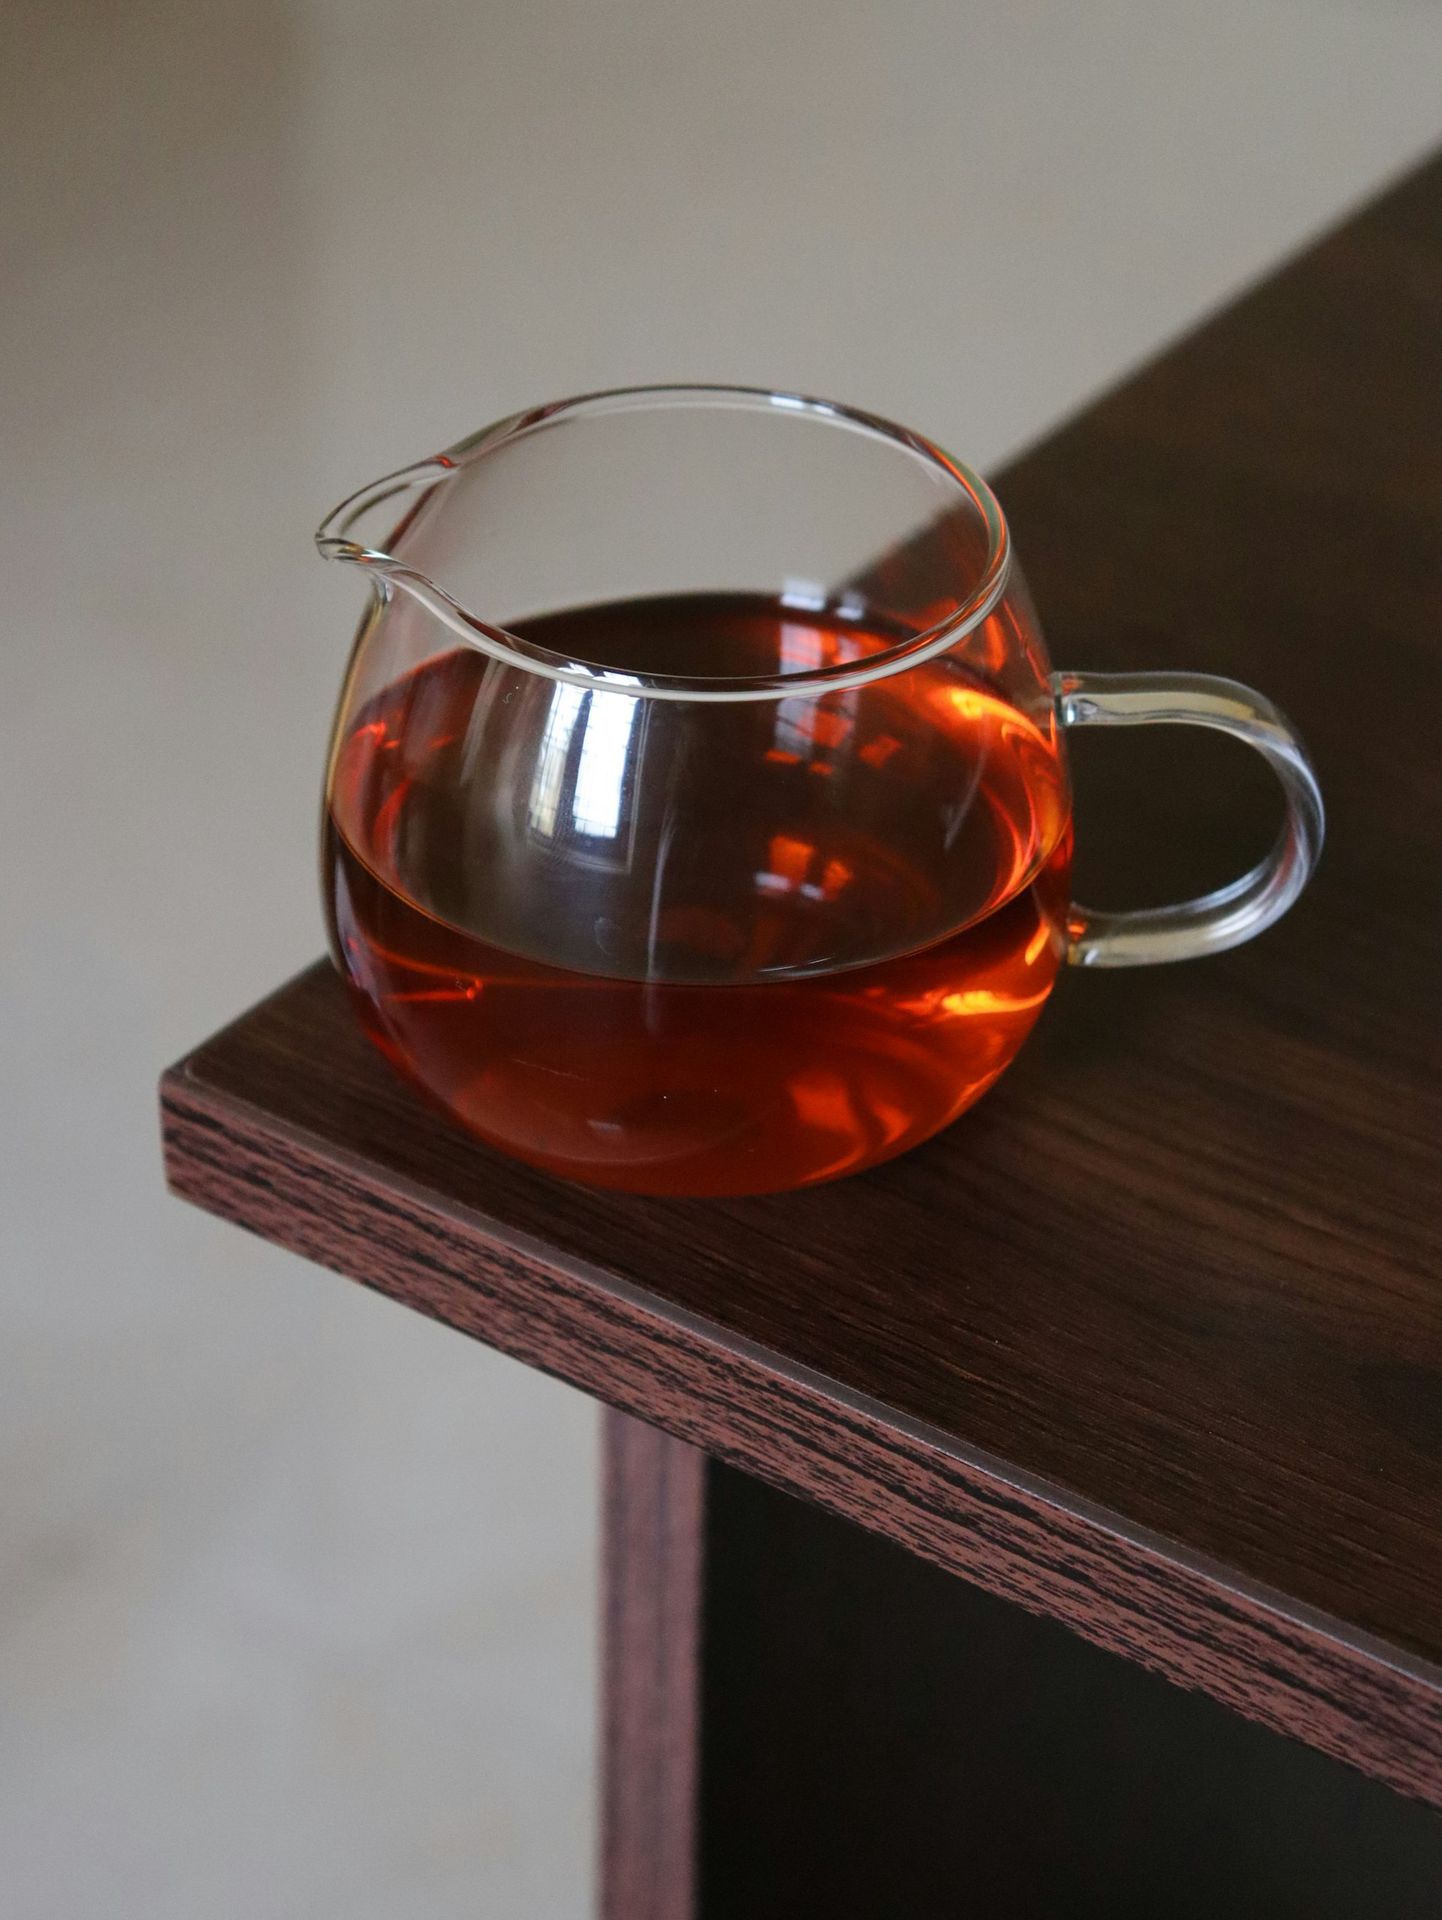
[(697, 816)]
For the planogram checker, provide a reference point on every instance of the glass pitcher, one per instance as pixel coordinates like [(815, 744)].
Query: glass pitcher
[(697, 815)]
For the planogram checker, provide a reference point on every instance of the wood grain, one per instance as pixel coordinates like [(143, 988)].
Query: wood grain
[(880, 1739), (803, 1718), (1152, 1340), (651, 1586)]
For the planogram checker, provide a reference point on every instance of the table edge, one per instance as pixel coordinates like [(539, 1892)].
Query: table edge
[(1201, 1624)]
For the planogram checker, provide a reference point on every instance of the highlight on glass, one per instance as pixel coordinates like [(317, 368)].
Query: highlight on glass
[(697, 814)]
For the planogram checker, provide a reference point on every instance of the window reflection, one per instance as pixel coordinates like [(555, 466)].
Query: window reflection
[(581, 784), (601, 777), (549, 781)]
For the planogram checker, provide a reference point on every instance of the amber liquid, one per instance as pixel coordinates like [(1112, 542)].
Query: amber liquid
[(804, 1058)]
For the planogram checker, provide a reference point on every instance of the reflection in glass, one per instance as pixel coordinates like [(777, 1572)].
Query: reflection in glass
[(601, 776), (555, 749)]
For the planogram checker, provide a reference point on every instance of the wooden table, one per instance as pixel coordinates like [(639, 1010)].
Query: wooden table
[(1135, 1375)]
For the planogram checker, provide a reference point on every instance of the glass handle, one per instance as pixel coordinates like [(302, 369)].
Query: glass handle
[(1233, 913)]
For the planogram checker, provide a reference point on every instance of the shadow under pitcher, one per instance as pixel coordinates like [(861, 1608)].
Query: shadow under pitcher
[(697, 814)]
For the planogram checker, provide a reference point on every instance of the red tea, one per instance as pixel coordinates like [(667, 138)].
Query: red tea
[(843, 951)]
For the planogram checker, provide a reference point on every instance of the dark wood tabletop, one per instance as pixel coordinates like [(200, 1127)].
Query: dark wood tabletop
[(1151, 1341)]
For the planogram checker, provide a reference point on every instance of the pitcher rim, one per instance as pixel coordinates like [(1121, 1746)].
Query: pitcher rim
[(334, 541)]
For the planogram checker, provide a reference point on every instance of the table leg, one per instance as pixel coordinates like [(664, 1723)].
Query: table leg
[(654, 1491), (801, 1719)]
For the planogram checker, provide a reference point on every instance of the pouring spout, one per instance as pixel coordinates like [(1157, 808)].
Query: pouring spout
[(363, 528), (369, 530)]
